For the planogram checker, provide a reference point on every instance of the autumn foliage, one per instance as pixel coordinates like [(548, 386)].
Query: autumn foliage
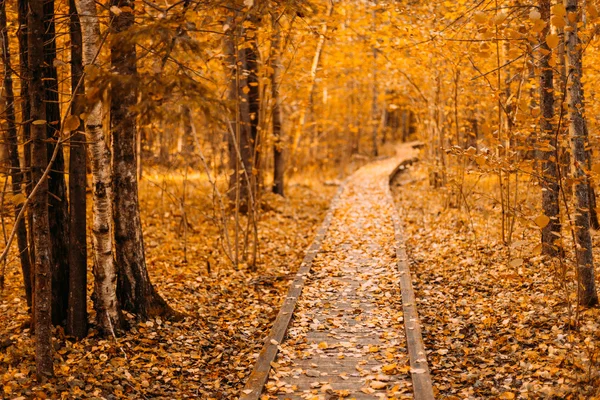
[(147, 147)]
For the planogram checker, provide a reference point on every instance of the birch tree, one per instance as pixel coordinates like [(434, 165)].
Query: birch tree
[(108, 314)]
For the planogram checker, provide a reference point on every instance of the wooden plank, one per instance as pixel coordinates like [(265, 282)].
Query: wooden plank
[(421, 377), (259, 375)]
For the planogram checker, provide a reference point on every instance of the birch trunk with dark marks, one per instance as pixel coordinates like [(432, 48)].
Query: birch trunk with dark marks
[(585, 263), (278, 159), (12, 143), (39, 205), (58, 203), (134, 288), (22, 35), (547, 144), (77, 310), (106, 304)]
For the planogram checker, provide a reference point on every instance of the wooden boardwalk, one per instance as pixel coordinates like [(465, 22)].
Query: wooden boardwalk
[(347, 338)]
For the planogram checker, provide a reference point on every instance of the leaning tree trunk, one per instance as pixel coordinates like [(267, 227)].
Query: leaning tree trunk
[(547, 145), (278, 159), (106, 304), (58, 210), (77, 311), (39, 206), (585, 262), (13, 152), (135, 291)]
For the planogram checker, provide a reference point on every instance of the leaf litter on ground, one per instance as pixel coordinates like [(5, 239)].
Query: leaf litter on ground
[(494, 327), (210, 353)]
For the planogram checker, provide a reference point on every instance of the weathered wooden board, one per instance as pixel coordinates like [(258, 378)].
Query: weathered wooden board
[(421, 377), (258, 377)]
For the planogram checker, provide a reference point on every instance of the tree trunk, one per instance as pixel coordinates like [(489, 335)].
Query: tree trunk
[(374, 94), (25, 116), (244, 90), (134, 289), (187, 139), (278, 160), (108, 313), (13, 152), (39, 206), (313, 79), (77, 311), (594, 223), (58, 209), (585, 262), (547, 144)]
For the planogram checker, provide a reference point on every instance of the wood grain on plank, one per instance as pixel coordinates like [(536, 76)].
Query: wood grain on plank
[(421, 377), (258, 377)]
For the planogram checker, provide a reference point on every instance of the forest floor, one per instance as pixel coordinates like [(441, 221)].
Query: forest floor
[(209, 354), (498, 321)]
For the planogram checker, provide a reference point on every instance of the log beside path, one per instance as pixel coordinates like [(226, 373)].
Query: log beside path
[(355, 332)]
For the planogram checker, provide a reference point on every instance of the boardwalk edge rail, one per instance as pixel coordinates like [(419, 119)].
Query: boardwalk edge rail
[(259, 375), (421, 377)]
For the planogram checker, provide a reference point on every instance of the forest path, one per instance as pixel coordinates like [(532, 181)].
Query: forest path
[(347, 338)]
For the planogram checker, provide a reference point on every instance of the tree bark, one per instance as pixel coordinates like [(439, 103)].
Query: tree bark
[(187, 138), (547, 144), (244, 90), (77, 311), (58, 209), (25, 117), (313, 79), (278, 159), (13, 152), (134, 288), (374, 94), (579, 140), (106, 304), (41, 224)]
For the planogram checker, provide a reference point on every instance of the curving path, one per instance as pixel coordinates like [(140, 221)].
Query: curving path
[(347, 336)]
